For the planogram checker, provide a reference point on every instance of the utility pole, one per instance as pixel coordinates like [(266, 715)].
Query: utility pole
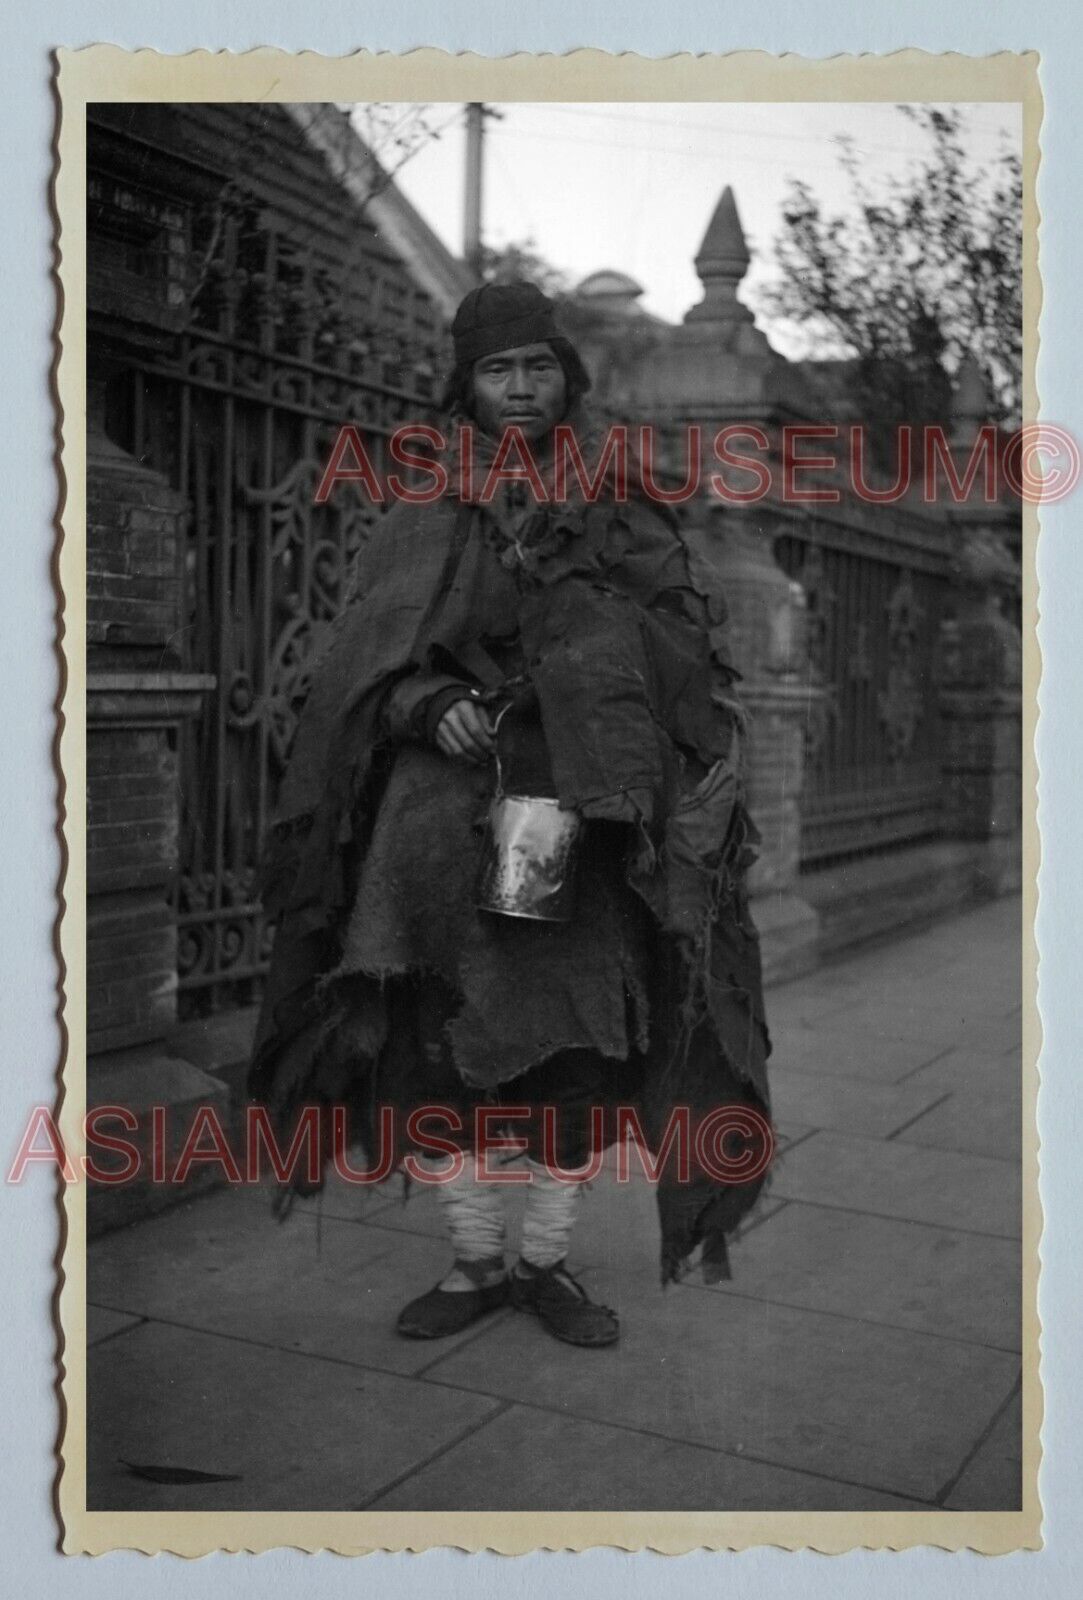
[(475, 124)]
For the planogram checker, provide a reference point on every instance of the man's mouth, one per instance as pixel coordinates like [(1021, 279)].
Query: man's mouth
[(521, 416)]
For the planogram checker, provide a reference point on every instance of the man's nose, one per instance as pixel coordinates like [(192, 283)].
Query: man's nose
[(522, 381)]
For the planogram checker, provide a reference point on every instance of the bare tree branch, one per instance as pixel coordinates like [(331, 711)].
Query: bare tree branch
[(920, 272)]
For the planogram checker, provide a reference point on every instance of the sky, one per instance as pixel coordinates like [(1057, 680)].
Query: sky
[(632, 185)]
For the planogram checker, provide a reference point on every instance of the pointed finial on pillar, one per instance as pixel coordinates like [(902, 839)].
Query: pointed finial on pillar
[(721, 263)]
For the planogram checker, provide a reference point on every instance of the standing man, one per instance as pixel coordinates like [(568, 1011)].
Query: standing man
[(568, 651)]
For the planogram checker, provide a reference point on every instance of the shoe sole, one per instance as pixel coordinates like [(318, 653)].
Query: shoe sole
[(580, 1344), (413, 1331)]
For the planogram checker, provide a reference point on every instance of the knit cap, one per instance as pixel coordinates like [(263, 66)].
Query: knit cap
[(502, 316)]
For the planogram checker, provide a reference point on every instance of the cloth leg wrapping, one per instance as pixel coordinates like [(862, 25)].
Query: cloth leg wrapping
[(473, 1211), (551, 1208)]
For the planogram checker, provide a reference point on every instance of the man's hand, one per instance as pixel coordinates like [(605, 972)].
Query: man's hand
[(465, 731)]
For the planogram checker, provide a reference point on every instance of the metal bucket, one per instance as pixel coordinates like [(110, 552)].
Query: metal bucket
[(528, 862)]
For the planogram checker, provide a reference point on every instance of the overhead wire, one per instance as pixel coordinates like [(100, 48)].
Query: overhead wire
[(738, 131)]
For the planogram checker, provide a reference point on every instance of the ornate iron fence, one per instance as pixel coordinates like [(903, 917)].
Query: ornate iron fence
[(285, 342), (876, 597)]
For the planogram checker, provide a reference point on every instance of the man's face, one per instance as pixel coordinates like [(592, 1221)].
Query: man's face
[(524, 388)]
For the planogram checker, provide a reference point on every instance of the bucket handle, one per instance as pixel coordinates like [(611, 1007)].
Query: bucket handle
[(496, 720)]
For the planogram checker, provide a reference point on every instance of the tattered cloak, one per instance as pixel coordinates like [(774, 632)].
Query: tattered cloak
[(622, 635)]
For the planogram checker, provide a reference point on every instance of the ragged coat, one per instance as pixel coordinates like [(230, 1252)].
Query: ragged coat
[(624, 643)]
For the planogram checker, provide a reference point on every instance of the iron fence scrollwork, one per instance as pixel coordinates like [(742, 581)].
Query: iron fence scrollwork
[(284, 343)]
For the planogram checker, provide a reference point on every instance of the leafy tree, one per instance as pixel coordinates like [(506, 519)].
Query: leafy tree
[(521, 262), (912, 278)]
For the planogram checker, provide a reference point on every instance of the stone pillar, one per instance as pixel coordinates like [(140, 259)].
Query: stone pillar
[(132, 804), (768, 641), (982, 669), (981, 710), (715, 369), (137, 697)]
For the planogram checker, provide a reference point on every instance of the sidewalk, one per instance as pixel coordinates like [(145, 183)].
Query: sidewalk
[(865, 1354)]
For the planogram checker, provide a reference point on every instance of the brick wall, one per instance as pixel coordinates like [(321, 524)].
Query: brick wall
[(131, 969), (131, 808), (132, 531)]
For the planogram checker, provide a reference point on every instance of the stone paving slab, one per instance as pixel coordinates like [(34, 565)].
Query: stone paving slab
[(103, 1324), (226, 1269), (853, 1048), (872, 1109), (864, 1404), (956, 1019), (920, 1018), (340, 1200), (212, 1253), (981, 1125), (956, 1010), (980, 951), (888, 1177), (985, 1032), (803, 1002), (993, 1479), (787, 1133), (973, 1074), (300, 1434), (903, 1274), (533, 1460)]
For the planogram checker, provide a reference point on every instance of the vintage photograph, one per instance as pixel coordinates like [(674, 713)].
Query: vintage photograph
[(557, 909)]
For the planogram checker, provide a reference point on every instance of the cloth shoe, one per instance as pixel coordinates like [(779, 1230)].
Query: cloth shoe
[(562, 1305), (442, 1312)]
